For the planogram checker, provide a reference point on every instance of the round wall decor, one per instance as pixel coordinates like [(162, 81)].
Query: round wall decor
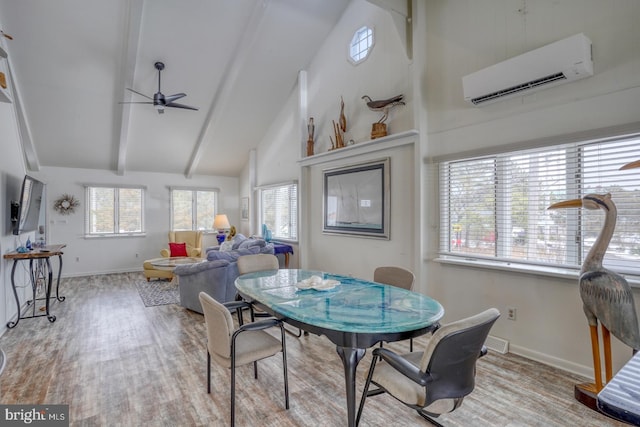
[(66, 204)]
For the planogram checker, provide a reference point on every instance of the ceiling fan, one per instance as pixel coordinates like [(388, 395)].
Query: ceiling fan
[(159, 100)]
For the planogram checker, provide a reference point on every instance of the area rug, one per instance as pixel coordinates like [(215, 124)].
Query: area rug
[(158, 292)]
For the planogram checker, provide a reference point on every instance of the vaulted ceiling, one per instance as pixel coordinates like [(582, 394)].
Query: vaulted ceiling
[(236, 60)]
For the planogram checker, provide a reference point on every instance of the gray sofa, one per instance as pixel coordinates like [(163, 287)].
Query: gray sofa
[(217, 275)]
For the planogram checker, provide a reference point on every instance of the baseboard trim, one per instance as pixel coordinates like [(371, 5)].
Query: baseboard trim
[(565, 365)]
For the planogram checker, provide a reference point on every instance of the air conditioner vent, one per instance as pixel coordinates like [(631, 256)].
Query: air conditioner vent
[(560, 62), (519, 88)]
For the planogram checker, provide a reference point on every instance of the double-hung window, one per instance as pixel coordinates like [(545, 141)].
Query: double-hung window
[(114, 211), (279, 210), (193, 209), (495, 207)]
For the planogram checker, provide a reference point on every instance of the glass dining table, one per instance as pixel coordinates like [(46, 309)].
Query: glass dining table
[(354, 314)]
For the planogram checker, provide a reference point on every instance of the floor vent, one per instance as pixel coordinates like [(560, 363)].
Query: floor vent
[(497, 344)]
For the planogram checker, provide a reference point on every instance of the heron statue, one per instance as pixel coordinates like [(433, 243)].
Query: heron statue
[(606, 295)]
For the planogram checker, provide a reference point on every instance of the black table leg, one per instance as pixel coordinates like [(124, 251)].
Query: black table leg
[(49, 284), (58, 297), (350, 358), (12, 324)]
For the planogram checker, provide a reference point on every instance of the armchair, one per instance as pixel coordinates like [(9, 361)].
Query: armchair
[(193, 239), (436, 380)]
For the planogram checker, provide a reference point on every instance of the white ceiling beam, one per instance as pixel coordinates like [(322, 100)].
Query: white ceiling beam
[(225, 89), (24, 130), (131, 41)]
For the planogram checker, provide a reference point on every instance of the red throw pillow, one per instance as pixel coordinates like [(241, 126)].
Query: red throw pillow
[(178, 249)]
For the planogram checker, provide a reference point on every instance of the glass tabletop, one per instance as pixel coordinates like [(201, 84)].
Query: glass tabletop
[(171, 263), (354, 305)]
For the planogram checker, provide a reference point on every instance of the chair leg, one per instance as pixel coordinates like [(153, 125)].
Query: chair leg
[(429, 419), (255, 370), (411, 345), (233, 385), (366, 388), (284, 365), (208, 372)]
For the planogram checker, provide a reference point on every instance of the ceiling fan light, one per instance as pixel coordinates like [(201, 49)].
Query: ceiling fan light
[(160, 108)]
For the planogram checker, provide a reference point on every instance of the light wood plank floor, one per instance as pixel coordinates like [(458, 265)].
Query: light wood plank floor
[(119, 363)]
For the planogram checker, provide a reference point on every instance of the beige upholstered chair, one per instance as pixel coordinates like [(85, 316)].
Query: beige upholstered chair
[(193, 239), (436, 380), (261, 262), (395, 276), (231, 347), (257, 262)]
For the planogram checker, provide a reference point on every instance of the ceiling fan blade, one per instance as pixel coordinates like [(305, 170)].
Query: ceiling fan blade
[(141, 94), (135, 102), (176, 105), (171, 98)]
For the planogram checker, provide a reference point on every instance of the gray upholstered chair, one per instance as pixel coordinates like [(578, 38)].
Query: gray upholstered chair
[(231, 347), (395, 276), (436, 380)]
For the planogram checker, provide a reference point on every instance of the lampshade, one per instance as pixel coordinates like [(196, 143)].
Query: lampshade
[(221, 222)]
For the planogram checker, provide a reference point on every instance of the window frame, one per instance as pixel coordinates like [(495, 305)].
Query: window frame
[(577, 171), (194, 208), (295, 201), (355, 41), (116, 211)]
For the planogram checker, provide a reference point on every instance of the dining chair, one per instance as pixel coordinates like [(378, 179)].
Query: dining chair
[(436, 380), (231, 347), (260, 262), (395, 276)]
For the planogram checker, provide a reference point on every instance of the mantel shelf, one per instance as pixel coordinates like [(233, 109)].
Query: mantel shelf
[(389, 141)]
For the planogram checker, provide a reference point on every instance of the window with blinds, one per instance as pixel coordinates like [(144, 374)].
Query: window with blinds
[(112, 211), (279, 210), (193, 209), (495, 207)]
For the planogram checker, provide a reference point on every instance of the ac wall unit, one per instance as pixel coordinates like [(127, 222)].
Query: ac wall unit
[(560, 62)]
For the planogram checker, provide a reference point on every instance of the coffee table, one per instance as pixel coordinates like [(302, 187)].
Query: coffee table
[(169, 264)]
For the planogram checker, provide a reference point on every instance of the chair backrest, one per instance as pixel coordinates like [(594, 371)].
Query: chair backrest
[(451, 355), (257, 262), (191, 238), (396, 276), (219, 325)]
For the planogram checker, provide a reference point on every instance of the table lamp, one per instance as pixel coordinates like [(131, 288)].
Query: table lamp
[(221, 223)]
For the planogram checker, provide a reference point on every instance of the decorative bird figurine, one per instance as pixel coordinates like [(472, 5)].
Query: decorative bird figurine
[(384, 105), (631, 165), (606, 295)]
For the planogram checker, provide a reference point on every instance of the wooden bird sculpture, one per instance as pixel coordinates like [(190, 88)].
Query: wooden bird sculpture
[(384, 105), (631, 165), (606, 295)]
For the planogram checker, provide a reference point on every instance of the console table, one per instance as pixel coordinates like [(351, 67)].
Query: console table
[(283, 248), (39, 269)]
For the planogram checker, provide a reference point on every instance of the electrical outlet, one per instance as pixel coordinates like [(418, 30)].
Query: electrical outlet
[(511, 313)]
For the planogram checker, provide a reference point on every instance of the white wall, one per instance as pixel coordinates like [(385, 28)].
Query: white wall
[(84, 256), (464, 36), (330, 76)]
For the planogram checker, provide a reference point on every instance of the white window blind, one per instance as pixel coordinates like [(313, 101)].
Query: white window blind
[(193, 209), (279, 210), (495, 207), (114, 211)]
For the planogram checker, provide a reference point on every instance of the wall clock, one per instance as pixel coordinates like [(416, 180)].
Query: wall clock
[(66, 204)]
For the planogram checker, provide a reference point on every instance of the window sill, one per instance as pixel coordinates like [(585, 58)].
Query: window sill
[(514, 267), (110, 236)]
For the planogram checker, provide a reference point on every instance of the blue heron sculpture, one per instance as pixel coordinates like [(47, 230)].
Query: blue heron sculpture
[(606, 295)]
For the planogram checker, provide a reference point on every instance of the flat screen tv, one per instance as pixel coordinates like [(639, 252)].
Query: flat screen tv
[(28, 208)]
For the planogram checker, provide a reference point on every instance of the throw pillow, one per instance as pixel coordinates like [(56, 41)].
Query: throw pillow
[(226, 246), (237, 239), (178, 249), (231, 256), (252, 242)]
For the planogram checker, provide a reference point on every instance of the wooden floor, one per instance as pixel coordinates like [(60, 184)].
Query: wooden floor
[(119, 363)]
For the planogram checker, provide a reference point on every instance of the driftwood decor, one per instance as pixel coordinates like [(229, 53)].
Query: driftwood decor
[(339, 129)]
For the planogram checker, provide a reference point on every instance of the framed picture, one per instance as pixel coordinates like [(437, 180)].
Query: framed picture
[(356, 199), (244, 209)]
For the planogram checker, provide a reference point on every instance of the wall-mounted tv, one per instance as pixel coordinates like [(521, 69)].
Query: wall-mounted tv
[(26, 214)]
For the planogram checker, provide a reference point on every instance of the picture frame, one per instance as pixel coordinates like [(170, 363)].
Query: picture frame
[(244, 209), (356, 199)]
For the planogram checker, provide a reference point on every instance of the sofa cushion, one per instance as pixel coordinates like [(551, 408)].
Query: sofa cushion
[(250, 243), (232, 256), (237, 239), (178, 249)]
